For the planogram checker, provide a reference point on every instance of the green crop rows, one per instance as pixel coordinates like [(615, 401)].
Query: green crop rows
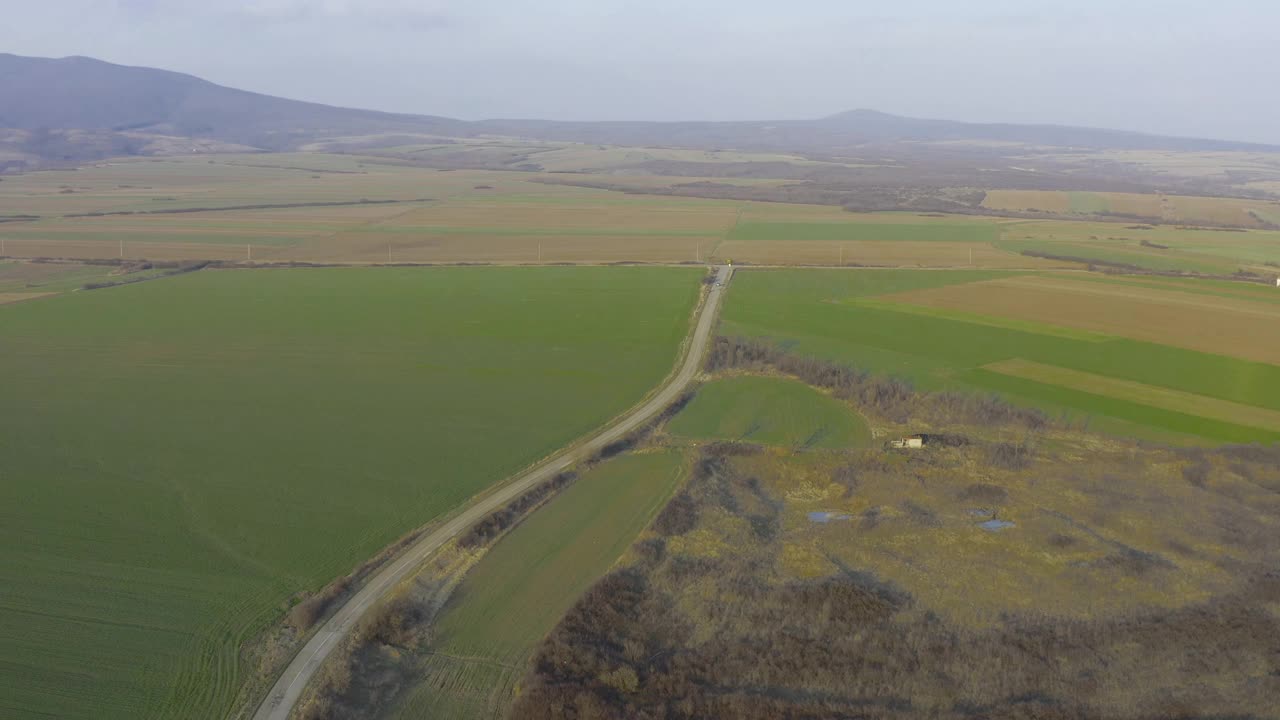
[(179, 457)]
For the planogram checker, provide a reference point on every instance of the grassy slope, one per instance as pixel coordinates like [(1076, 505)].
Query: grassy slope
[(178, 457), (772, 411), (518, 592), (18, 277), (797, 309)]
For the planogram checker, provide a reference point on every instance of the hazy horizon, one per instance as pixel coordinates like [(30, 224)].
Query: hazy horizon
[(1155, 67)]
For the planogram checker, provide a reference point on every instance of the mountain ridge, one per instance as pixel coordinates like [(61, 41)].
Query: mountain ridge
[(83, 93)]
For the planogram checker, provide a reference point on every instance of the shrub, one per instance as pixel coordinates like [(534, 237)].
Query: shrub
[(1010, 456), (678, 517), (1197, 474), (893, 398), (499, 521)]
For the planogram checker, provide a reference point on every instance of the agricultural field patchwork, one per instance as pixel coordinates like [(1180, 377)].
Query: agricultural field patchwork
[(485, 635), (382, 209), (953, 330), (181, 457), (1176, 209), (343, 209)]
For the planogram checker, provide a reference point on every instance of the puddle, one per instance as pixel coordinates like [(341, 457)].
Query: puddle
[(826, 517), (995, 525)]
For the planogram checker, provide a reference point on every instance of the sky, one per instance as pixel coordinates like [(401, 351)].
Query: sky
[(1196, 68)]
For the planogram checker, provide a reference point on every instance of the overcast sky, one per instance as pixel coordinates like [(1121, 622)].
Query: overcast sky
[(1170, 66)]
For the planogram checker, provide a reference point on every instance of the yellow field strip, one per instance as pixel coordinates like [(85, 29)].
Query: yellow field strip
[(19, 297), (1136, 392), (1163, 297), (1243, 291), (1204, 323)]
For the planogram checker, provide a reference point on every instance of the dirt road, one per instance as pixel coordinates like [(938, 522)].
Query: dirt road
[(285, 693)]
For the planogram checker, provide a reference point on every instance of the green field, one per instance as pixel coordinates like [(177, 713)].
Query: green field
[(1088, 203), (1203, 250), (179, 457), (770, 411), (850, 231), (816, 312), (519, 590)]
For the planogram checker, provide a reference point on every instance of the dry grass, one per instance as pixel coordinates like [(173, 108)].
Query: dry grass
[(1153, 206), (916, 526), (1228, 212), (1135, 582), (132, 250)]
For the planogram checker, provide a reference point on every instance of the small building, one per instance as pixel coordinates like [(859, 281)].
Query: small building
[(910, 442)]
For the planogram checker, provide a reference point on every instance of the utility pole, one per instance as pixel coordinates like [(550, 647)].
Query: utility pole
[(122, 247), (970, 257), (388, 251), (841, 255), (539, 252), (248, 252)]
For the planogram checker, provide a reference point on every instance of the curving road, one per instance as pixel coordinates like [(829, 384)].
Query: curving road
[(288, 688)]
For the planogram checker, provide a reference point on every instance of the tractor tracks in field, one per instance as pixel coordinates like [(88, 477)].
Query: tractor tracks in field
[(289, 687)]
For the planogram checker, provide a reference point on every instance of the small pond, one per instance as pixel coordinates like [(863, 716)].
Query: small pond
[(994, 525)]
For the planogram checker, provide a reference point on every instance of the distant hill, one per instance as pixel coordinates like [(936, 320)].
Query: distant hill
[(83, 93), (41, 94), (848, 130)]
